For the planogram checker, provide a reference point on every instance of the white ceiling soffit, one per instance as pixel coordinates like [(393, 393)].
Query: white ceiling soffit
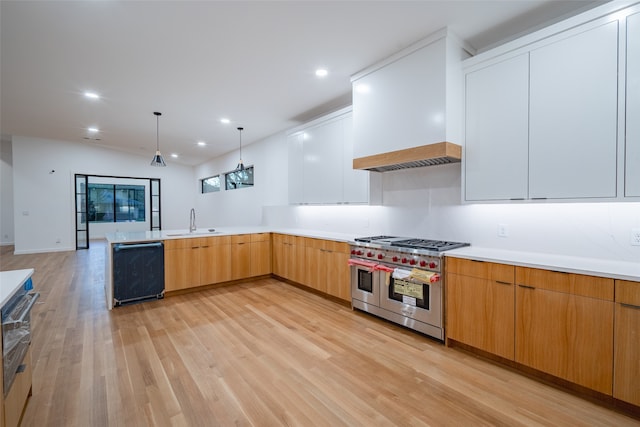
[(197, 62)]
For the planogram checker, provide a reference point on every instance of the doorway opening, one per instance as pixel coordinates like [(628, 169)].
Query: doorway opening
[(111, 203)]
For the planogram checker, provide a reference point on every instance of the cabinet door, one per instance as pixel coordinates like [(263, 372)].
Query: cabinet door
[(481, 313), (240, 257), (338, 274), (497, 131), (279, 256), (355, 182), (568, 336), (181, 264), (626, 381), (215, 261), (573, 116), (316, 277), (323, 163), (296, 259), (296, 168), (260, 258), (632, 138)]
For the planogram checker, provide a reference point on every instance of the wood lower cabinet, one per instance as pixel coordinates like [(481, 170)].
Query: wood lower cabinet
[(481, 305), (316, 265), (338, 274), (289, 257), (189, 263), (20, 391), (215, 260), (260, 254), (564, 326), (626, 368), (181, 264), (240, 256), (327, 267)]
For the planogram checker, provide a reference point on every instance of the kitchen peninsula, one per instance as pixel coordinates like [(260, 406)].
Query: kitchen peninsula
[(190, 254)]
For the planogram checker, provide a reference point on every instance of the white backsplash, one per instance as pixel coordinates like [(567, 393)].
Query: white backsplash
[(426, 203)]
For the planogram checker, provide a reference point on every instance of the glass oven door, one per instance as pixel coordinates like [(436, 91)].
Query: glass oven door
[(364, 285)]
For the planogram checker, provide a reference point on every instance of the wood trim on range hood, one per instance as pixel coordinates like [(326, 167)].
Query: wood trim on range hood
[(426, 155)]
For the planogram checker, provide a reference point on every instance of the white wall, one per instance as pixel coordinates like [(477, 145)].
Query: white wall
[(425, 202), (44, 201), (422, 202), (6, 192), (244, 206)]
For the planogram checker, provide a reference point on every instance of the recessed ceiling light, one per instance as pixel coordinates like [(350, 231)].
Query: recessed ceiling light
[(202, 143), (93, 130), (321, 72), (225, 121), (92, 95), (174, 155)]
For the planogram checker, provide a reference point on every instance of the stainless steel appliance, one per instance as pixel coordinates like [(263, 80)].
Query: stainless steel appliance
[(16, 334), (401, 279)]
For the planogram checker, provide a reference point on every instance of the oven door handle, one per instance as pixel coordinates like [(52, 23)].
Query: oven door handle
[(27, 309)]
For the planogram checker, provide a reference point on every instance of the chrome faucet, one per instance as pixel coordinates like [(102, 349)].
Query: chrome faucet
[(192, 220)]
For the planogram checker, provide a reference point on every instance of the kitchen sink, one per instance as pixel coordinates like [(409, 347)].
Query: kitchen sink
[(195, 233)]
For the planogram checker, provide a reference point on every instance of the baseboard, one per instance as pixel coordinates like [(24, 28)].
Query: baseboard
[(41, 251)]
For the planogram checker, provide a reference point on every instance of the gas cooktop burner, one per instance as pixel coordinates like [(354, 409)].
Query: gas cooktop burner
[(431, 245), (410, 243), (373, 238)]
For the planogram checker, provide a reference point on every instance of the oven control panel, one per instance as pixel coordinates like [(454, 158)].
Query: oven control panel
[(397, 259)]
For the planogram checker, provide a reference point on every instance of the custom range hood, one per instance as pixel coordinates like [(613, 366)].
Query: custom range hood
[(408, 107), (426, 155)]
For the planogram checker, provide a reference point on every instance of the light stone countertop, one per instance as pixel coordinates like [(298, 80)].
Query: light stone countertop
[(622, 270), (11, 281)]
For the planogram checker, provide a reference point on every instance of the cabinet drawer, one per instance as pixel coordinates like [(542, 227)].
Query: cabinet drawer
[(481, 269), (575, 284), (628, 292), (241, 238), (260, 237), (214, 241), (20, 390), (179, 243), (333, 246)]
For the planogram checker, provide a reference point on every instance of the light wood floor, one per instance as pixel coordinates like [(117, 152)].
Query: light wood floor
[(257, 354)]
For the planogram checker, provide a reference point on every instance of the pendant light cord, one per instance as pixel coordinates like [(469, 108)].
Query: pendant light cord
[(157, 131)]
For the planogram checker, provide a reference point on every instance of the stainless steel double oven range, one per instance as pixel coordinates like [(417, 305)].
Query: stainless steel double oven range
[(401, 280)]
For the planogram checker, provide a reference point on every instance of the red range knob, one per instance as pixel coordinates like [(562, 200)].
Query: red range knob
[(353, 252), (432, 265), (380, 256), (395, 259), (404, 260), (423, 263), (359, 253), (369, 254), (412, 262)]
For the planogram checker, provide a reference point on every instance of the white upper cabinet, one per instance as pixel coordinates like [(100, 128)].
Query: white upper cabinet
[(296, 168), (547, 116), (496, 128), (356, 183), (320, 163), (632, 137), (573, 116), (402, 102)]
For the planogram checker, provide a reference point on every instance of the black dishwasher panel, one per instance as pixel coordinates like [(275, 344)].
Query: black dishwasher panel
[(138, 272)]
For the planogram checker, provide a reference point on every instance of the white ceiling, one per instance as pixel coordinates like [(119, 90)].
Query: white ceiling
[(197, 62)]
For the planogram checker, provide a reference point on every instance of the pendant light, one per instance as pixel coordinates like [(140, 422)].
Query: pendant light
[(157, 159), (240, 166)]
